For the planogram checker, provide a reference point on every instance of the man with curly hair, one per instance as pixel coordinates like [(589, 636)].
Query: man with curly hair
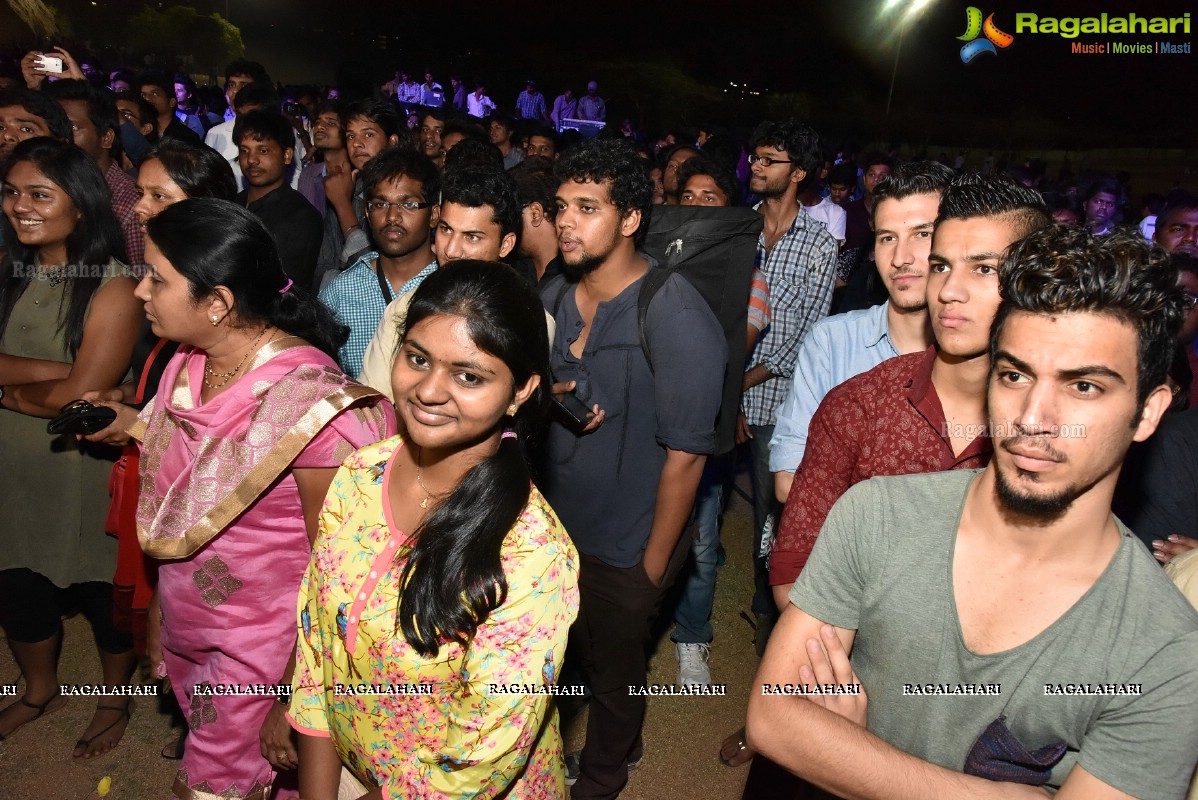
[(1011, 635), (623, 484)]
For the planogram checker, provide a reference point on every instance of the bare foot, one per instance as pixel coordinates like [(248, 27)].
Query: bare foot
[(23, 711), (106, 729), (734, 752)]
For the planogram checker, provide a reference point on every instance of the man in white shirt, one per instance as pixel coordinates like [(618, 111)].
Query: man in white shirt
[(478, 104)]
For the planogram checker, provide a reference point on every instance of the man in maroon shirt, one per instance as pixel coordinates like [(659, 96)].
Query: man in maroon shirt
[(923, 412)]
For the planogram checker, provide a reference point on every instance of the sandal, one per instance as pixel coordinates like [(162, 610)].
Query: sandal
[(741, 756), (123, 716), (174, 750), (41, 708)]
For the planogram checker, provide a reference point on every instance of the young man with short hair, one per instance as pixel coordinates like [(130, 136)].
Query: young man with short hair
[(1008, 633), (369, 126), (479, 218), (253, 97), (797, 256), (25, 114), (530, 103), (93, 118), (328, 138), (239, 74), (501, 130), (1177, 226), (401, 191), (923, 411), (837, 348), (159, 91), (478, 104), (432, 94), (264, 153), (625, 487), (542, 141), (432, 126), (537, 244)]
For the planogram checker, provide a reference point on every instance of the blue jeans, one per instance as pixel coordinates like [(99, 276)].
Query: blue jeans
[(692, 617)]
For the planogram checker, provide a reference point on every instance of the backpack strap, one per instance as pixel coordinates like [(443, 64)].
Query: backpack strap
[(655, 278)]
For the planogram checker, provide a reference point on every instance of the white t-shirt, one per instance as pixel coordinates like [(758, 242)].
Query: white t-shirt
[(832, 216)]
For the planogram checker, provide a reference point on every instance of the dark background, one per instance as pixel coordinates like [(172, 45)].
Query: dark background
[(671, 63)]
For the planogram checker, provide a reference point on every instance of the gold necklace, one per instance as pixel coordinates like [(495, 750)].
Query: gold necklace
[(226, 376), (420, 482)]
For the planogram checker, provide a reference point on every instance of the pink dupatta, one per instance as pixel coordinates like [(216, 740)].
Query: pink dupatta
[(241, 441)]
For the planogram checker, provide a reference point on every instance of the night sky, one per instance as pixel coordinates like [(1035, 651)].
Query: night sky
[(829, 48), (840, 53)]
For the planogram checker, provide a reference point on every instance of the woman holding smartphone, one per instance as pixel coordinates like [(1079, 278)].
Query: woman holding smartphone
[(442, 584)]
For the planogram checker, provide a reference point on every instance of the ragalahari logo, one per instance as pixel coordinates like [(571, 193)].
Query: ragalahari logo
[(974, 27)]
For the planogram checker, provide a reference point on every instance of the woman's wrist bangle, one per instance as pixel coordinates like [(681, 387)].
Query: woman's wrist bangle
[(351, 229)]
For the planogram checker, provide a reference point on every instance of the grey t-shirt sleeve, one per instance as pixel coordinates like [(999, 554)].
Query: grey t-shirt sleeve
[(1147, 745), (832, 585)]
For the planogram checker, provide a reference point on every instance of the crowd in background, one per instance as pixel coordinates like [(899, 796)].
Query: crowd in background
[(375, 471)]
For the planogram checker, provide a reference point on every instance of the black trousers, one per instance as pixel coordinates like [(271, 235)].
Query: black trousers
[(609, 642), (31, 609)]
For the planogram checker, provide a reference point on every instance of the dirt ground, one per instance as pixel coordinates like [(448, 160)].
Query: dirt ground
[(682, 734)]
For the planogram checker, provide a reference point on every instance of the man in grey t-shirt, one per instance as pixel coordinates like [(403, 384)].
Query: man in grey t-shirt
[(1007, 633)]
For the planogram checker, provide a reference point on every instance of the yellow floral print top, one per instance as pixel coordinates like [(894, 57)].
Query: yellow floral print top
[(469, 722)]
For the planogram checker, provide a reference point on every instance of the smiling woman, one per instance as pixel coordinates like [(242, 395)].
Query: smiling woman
[(66, 306), (443, 580)]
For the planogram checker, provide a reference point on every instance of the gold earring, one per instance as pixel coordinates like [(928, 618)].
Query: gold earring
[(215, 320), (512, 409)]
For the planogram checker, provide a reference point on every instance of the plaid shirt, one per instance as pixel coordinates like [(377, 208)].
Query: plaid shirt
[(531, 106), (354, 296), (800, 273), (409, 92), (124, 197)]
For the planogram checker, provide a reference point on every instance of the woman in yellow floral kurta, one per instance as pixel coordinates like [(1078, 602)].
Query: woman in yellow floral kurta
[(474, 718)]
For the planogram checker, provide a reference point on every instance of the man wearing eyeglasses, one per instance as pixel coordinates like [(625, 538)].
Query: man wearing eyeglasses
[(478, 218), (798, 256), (401, 188)]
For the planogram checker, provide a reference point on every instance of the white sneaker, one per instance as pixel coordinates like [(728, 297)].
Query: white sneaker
[(692, 664)]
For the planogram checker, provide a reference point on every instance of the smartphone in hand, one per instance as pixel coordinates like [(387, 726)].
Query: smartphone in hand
[(571, 412), (51, 64)]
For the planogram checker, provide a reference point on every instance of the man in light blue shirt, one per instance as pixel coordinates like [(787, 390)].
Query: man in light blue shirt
[(844, 345), (401, 188)]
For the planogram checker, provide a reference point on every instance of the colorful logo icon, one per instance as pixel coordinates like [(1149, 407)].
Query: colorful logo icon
[(974, 27)]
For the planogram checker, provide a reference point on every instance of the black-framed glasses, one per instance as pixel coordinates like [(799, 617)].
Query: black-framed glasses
[(384, 206), (766, 161)]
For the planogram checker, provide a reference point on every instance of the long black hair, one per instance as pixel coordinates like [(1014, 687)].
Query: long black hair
[(214, 243), (95, 241), (454, 578)]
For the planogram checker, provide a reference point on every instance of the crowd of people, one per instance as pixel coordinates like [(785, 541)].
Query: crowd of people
[(405, 410)]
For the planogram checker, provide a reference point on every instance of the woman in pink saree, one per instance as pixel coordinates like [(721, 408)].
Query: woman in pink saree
[(250, 422)]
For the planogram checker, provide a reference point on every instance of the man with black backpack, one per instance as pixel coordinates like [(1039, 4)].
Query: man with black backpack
[(623, 478)]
